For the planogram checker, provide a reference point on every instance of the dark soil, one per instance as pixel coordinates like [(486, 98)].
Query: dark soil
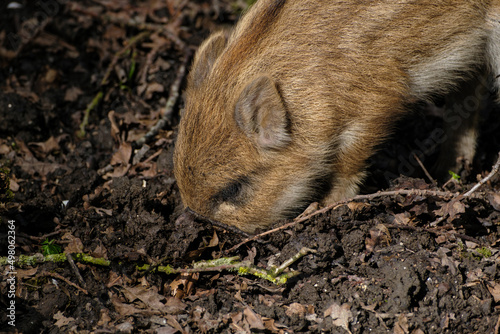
[(425, 261)]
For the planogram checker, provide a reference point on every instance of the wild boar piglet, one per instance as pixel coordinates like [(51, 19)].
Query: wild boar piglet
[(286, 108)]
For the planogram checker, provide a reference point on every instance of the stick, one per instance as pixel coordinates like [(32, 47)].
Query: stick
[(169, 106), (425, 170), (337, 204), (75, 270), (494, 170), (57, 276)]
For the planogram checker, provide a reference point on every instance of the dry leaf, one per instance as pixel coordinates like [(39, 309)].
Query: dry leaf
[(494, 199), (341, 315), (253, 319), (75, 245), (34, 167), (402, 218), (357, 206), (62, 320), (401, 326), (152, 88), (378, 235), (452, 208), (296, 309), (72, 94), (494, 288), (122, 155)]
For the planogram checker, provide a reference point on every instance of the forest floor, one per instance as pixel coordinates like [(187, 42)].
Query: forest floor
[(96, 211)]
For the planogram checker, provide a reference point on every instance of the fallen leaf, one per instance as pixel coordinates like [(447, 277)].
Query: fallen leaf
[(253, 319), (378, 235), (402, 218), (62, 320), (149, 298), (356, 207), (401, 326), (72, 94), (122, 155), (494, 199), (452, 208), (152, 88), (295, 309), (494, 288), (75, 245), (341, 315)]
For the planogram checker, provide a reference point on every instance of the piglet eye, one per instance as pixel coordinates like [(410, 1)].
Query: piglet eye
[(231, 192)]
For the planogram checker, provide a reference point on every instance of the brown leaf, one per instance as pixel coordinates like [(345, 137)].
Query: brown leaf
[(42, 149), (401, 326), (378, 235), (494, 289), (72, 94), (122, 155), (341, 315), (494, 199), (75, 245), (452, 208), (152, 88), (295, 309), (62, 320), (148, 297), (356, 207), (253, 319), (402, 218)]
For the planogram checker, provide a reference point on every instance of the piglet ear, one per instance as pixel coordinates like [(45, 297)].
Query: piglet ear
[(206, 56), (260, 113)]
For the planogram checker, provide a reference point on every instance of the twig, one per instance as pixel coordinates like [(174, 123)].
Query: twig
[(260, 235), (301, 253), (169, 106), (45, 236), (405, 192), (425, 170), (57, 276), (274, 274), (410, 192), (75, 270), (494, 170)]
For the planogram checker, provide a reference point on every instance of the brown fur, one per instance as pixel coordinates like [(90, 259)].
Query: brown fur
[(286, 108)]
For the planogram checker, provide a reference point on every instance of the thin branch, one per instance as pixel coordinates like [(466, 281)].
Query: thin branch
[(425, 170), (75, 270), (410, 192), (494, 170), (169, 107), (59, 277)]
